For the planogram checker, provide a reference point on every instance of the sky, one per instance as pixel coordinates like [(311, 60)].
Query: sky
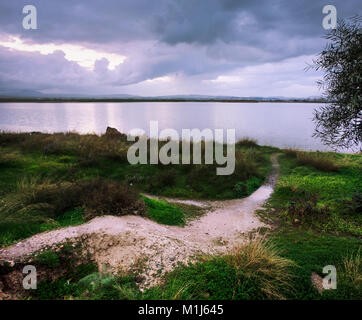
[(166, 47)]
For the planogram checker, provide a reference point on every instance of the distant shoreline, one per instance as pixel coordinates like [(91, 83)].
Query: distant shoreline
[(61, 100)]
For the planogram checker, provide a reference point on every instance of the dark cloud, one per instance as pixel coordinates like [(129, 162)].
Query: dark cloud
[(188, 37), (170, 21)]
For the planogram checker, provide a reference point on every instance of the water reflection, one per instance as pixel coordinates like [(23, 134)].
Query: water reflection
[(277, 124)]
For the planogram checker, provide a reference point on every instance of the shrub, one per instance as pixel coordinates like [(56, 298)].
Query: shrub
[(60, 196), (354, 206), (109, 197), (239, 189), (246, 142), (41, 205), (166, 178), (245, 164), (98, 196), (318, 161), (291, 152), (304, 207), (252, 184), (243, 189)]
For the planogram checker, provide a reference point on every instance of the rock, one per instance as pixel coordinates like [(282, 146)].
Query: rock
[(114, 133)]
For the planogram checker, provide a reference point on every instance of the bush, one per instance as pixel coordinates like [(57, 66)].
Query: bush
[(98, 196), (318, 161), (304, 207), (354, 206), (246, 142), (42, 205), (246, 164), (88, 146), (243, 189), (291, 152), (166, 178), (109, 197), (60, 196)]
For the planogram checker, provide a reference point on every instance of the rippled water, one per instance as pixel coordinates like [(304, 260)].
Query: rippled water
[(276, 124)]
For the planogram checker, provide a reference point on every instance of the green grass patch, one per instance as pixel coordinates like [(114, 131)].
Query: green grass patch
[(326, 201), (48, 258), (311, 252), (164, 212)]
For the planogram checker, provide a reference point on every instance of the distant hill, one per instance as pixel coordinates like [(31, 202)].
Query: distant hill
[(32, 95)]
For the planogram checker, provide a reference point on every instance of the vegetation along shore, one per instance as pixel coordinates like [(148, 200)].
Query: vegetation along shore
[(71, 202)]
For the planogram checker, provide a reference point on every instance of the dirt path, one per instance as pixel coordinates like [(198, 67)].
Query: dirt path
[(132, 242)]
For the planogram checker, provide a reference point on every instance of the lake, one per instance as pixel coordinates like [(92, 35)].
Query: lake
[(285, 125)]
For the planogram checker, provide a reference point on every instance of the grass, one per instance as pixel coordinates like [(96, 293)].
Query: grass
[(40, 205), (311, 251), (327, 202), (71, 156), (252, 271), (277, 268), (164, 213), (48, 181), (319, 160), (315, 209)]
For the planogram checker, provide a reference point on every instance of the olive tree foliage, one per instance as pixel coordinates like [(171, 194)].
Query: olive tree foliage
[(339, 122)]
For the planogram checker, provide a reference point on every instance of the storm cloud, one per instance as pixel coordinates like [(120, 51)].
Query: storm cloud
[(170, 46)]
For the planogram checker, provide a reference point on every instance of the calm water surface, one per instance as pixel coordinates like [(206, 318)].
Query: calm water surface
[(276, 124)]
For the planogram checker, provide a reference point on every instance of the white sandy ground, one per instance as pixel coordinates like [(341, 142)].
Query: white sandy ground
[(132, 242)]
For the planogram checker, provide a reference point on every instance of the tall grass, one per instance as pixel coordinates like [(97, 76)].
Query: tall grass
[(353, 269), (261, 260), (317, 160), (254, 270), (40, 203), (87, 146)]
